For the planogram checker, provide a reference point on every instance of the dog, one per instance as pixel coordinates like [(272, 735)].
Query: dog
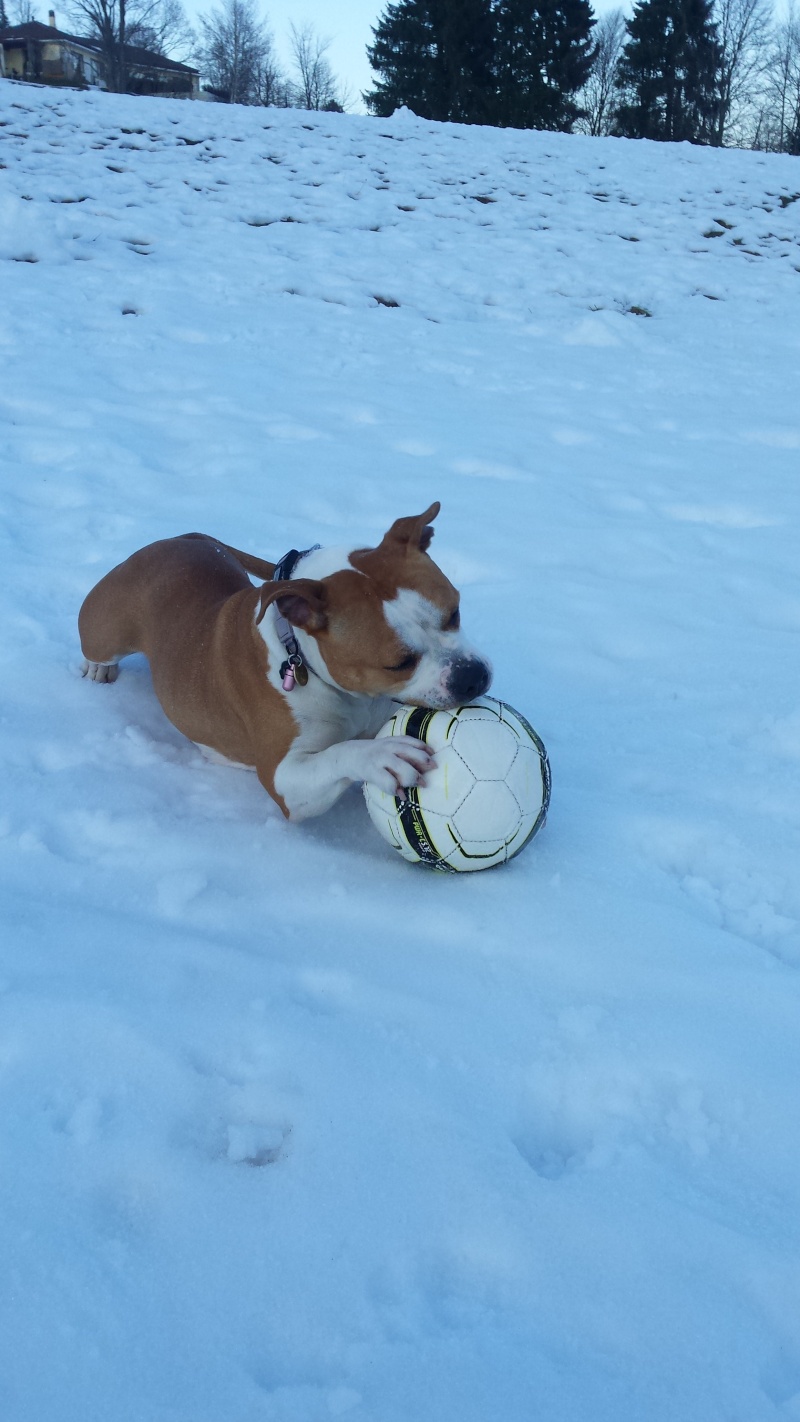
[(296, 677)]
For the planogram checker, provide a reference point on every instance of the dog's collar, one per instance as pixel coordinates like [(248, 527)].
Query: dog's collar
[(293, 670), (289, 562)]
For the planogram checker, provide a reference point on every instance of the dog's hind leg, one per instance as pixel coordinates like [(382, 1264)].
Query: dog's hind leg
[(106, 626), (100, 671)]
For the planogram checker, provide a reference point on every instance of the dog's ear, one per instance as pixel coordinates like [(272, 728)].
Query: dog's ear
[(302, 601), (413, 533)]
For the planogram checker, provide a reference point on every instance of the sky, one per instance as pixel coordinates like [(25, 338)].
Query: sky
[(349, 26)]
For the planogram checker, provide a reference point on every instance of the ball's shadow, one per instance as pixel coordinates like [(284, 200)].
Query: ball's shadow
[(347, 826)]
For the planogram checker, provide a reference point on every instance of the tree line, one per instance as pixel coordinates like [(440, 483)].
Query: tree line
[(704, 71)]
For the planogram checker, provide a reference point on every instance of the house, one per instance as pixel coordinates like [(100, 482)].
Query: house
[(45, 55)]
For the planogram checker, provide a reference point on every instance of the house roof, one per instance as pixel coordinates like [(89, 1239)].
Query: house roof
[(35, 30), (137, 55)]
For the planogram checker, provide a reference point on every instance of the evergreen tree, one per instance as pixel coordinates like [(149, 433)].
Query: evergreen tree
[(668, 72), (3, 16), (435, 56), (544, 56), (504, 62), (402, 55)]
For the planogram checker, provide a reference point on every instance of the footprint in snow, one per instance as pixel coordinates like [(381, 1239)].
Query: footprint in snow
[(249, 1143)]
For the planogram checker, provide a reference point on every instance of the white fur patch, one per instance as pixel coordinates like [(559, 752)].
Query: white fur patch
[(418, 624), (415, 620), (215, 757), (325, 561)]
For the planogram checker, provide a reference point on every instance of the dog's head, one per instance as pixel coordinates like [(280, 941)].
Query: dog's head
[(384, 621)]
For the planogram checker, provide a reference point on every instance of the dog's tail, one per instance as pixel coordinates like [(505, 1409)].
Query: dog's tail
[(257, 566)]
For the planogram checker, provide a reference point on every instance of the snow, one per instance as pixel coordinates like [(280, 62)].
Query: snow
[(293, 1130)]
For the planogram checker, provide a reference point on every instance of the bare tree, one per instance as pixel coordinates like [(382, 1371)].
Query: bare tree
[(22, 12), (236, 51), (115, 24), (599, 95), (743, 33), (778, 124), (273, 88), (316, 86), (166, 31)]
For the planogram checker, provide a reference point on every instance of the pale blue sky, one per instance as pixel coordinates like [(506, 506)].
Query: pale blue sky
[(348, 24)]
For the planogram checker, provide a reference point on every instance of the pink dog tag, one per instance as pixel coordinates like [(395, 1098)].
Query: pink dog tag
[(289, 678)]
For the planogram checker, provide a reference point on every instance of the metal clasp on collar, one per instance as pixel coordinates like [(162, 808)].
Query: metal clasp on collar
[(294, 671)]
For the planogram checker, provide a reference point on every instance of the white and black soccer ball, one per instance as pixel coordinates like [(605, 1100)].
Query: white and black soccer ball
[(485, 800)]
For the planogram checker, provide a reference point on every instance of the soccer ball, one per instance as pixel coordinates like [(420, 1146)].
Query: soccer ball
[(484, 801)]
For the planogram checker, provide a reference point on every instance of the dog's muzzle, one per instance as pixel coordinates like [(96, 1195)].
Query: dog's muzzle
[(467, 679)]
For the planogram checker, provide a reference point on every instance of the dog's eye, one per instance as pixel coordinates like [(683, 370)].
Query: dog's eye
[(454, 621), (408, 663)]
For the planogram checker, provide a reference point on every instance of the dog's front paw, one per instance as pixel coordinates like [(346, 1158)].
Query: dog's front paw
[(100, 671), (392, 763)]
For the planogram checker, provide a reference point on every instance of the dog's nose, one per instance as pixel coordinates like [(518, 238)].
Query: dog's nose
[(468, 679)]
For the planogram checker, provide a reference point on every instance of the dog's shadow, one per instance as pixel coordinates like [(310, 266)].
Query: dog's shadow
[(345, 827)]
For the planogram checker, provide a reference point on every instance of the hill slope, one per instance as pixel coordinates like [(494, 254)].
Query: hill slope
[(293, 1130)]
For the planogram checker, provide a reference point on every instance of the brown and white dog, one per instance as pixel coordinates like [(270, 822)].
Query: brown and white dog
[(372, 626)]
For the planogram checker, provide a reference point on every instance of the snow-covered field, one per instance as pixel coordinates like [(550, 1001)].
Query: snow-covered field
[(290, 1129)]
